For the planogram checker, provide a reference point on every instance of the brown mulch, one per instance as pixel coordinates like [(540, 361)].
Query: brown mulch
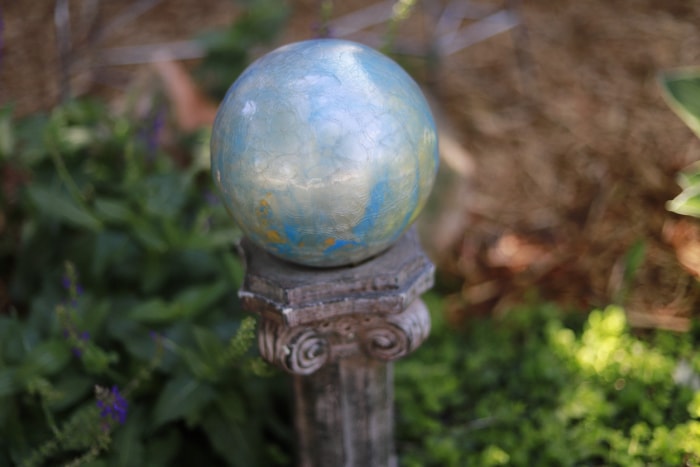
[(574, 151), (574, 168)]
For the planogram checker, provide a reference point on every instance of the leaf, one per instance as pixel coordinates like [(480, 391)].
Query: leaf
[(230, 440), (72, 388), (173, 233), (128, 445), (9, 383), (31, 149), (195, 300), (162, 449), (76, 138), (7, 136), (232, 407), (163, 195), (97, 361), (135, 336), (113, 210), (210, 344), (690, 176), (234, 269), (686, 203), (186, 304), (200, 367), (154, 311), (633, 260), (181, 398), (215, 238), (57, 205), (146, 233), (681, 89), (111, 247), (10, 332), (47, 358)]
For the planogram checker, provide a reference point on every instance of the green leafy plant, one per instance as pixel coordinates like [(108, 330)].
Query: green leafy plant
[(229, 50), (122, 274), (121, 337), (681, 89), (530, 389)]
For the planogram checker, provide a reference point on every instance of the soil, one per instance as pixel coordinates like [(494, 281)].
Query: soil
[(562, 150)]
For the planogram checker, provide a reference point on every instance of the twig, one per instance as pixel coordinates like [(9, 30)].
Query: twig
[(476, 32), (361, 19), (180, 50), (135, 10)]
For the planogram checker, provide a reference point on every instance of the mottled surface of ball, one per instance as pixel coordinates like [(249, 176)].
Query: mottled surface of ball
[(325, 151)]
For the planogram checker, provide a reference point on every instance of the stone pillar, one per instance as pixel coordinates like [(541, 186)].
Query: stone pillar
[(337, 332)]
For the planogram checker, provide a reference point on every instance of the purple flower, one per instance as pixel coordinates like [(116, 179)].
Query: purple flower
[(210, 198), (79, 340), (155, 131), (67, 283), (151, 133), (112, 405), (83, 337)]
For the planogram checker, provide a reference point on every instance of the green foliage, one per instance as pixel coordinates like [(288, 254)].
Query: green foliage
[(688, 201), (681, 89), (528, 390), (229, 50), (123, 274)]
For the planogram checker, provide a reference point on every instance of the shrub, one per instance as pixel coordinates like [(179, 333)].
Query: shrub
[(123, 274), (529, 390)]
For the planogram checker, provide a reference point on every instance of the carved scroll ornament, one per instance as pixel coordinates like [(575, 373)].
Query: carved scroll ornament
[(304, 349)]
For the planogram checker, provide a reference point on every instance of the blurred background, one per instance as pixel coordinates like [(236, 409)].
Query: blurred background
[(559, 153)]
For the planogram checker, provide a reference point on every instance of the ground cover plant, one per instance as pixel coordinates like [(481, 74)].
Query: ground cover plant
[(540, 386)]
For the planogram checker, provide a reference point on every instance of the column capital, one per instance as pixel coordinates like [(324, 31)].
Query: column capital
[(312, 316)]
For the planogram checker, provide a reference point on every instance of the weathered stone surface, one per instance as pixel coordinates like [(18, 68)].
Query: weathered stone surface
[(304, 349), (296, 295), (338, 331), (345, 416)]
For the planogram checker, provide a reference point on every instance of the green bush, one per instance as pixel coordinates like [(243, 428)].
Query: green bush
[(681, 89), (529, 390), (120, 300), (123, 275)]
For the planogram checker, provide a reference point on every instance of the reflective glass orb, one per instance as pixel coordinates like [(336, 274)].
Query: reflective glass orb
[(324, 151)]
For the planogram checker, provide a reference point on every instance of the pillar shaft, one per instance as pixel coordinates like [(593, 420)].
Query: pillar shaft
[(344, 414), (337, 332)]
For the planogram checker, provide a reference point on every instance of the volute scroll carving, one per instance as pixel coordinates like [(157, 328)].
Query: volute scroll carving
[(398, 335), (304, 349), (298, 350), (312, 317)]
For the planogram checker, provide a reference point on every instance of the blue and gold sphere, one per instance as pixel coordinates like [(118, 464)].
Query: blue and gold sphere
[(325, 151)]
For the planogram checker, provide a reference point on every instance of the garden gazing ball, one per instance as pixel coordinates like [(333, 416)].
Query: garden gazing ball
[(324, 151)]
